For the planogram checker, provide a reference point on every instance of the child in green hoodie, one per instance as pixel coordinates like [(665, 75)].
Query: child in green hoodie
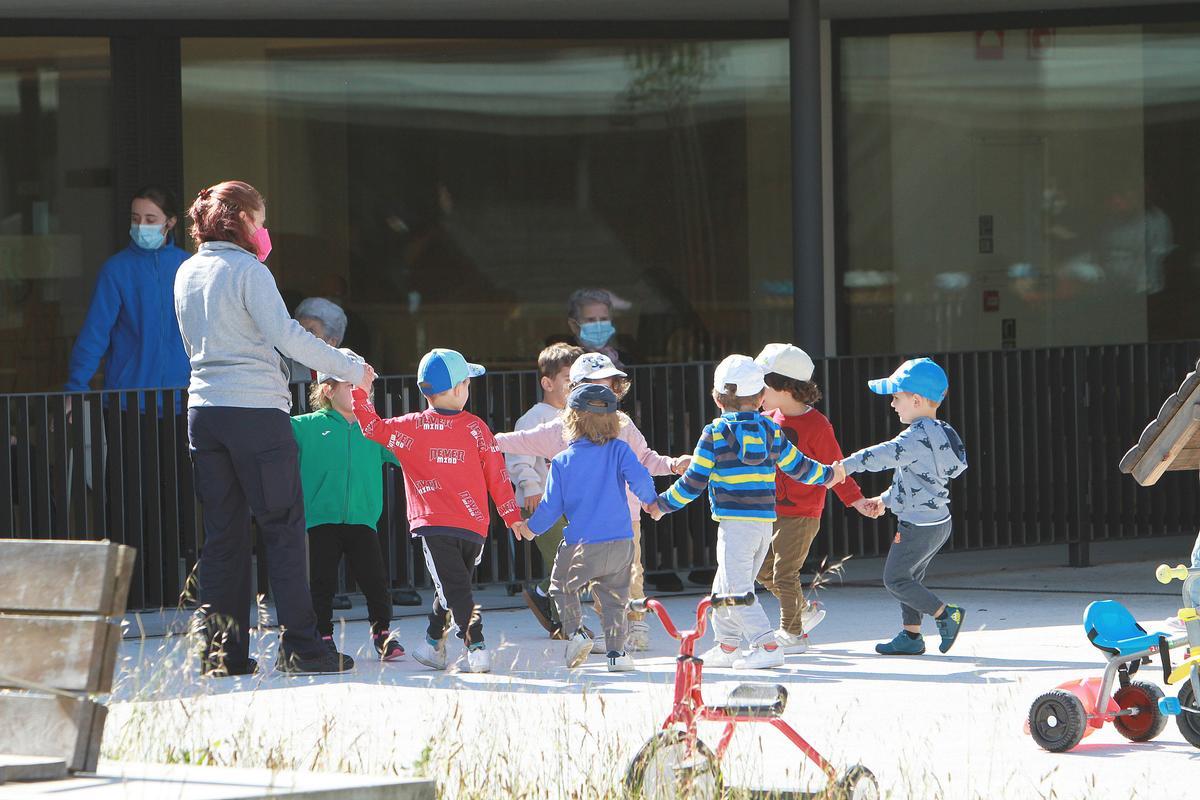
[(343, 499)]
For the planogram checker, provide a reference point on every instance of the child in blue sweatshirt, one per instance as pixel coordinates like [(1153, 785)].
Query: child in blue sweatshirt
[(736, 459), (586, 484)]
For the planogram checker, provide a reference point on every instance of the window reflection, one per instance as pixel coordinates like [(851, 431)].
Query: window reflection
[(1021, 189), (455, 193), (55, 200)]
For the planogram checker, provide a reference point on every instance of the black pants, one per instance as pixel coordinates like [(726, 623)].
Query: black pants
[(246, 461), (360, 545), (451, 562)]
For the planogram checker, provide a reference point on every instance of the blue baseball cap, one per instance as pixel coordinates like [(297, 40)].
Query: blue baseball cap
[(595, 398), (441, 370), (918, 375)]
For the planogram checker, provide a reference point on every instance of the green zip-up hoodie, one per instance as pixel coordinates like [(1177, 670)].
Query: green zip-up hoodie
[(340, 470)]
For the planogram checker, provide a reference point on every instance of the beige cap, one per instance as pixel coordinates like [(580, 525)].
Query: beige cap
[(787, 360)]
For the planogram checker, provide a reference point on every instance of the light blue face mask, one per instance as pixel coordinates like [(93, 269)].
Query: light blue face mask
[(596, 334), (149, 237)]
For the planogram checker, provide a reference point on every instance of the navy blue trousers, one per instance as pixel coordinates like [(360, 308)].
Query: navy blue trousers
[(246, 462)]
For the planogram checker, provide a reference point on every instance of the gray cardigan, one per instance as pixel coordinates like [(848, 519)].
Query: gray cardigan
[(235, 325)]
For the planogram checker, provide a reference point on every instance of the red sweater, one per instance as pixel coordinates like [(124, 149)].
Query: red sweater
[(813, 435), (451, 463)]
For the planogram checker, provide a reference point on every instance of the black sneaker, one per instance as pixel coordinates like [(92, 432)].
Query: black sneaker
[(329, 645), (328, 663), (541, 606), (388, 648)]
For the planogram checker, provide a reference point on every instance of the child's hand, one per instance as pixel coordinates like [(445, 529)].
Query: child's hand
[(531, 502), (522, 532), (368, 378), (680, 464), (839, 473), (870, 507), (653, 510)]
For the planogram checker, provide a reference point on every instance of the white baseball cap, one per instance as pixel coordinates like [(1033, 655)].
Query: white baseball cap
[(742, 372), (594, 366), (355, 357), (787, 360)]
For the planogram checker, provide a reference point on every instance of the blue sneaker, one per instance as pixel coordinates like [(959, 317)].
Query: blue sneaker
[(902, 645), (950, 625)]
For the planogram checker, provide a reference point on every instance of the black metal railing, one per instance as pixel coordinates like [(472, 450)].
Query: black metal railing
[(1044, 431)]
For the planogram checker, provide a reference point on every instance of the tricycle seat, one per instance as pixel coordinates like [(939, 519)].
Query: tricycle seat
[(1111, 628), (755, 700)]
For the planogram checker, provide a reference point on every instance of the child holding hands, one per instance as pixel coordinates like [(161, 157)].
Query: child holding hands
[(587, 484), (451, 464), (923, 458), (735, 459)]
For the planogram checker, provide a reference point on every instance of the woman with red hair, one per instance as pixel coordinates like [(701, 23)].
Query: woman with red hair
[(235, 325)]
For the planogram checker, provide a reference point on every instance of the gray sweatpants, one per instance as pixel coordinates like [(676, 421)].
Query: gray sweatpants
[(605, 565), (742, 547), (907, 559)]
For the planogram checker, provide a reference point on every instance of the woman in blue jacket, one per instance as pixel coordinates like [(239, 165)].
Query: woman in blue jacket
[(131, 322)]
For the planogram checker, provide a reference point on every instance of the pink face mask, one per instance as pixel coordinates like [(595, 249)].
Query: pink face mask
[(262, 243)]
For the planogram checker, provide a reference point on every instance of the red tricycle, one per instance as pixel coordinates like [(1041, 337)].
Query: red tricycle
[(675, 763)]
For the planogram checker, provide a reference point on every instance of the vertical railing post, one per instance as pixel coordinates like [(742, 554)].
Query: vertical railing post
[(1080, 529)]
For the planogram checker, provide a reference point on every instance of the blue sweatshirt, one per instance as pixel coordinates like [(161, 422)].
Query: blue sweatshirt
[(923, 459), (736, 459), (587, 484), (131, 324)]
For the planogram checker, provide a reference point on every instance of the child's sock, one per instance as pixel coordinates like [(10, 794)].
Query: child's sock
[(477, 646), (726, 648), (912, 635), (770, 648), (944, 614)]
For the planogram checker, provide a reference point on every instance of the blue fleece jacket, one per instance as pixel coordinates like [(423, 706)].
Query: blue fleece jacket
[(131, 324), (586, 483)]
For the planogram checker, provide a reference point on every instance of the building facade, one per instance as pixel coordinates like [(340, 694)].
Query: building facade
[(860, 182)]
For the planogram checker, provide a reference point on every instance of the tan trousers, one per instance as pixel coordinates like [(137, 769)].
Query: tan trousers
[(791, 539)]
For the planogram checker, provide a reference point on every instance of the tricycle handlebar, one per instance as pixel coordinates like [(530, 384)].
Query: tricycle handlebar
[(718, 600)]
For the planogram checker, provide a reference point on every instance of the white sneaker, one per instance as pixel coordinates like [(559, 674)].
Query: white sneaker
[(620, 662), (479, 660), (638, 638), (579, 647), (431, 655), (760, 658), (812, 614), (791, 643), (717, 657)]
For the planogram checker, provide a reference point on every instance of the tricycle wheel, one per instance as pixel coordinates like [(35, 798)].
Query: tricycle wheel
[(857, 784), (1057, 720), (1148, 722), (1189, 721), (667, 767)]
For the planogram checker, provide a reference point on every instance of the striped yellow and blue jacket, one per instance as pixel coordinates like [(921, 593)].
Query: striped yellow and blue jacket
[(736, 458)]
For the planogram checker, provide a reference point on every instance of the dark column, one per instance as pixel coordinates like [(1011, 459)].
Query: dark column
[(147, 121), (804, 35)]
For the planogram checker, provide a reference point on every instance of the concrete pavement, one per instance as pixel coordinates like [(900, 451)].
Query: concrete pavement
[(929, 726)]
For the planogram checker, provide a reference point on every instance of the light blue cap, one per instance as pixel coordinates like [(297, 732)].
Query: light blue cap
[(441, 370), (921, 376)]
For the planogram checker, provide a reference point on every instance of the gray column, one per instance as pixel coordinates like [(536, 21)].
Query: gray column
[(808, 309)]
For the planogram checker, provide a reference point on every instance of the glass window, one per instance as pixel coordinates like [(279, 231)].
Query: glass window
[(455, 193), (55, 200), (1019, 188)]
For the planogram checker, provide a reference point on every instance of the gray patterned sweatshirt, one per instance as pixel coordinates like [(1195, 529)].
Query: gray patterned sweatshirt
[(923, 459)]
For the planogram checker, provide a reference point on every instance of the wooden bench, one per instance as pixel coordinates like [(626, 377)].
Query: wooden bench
[(60, 609)]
